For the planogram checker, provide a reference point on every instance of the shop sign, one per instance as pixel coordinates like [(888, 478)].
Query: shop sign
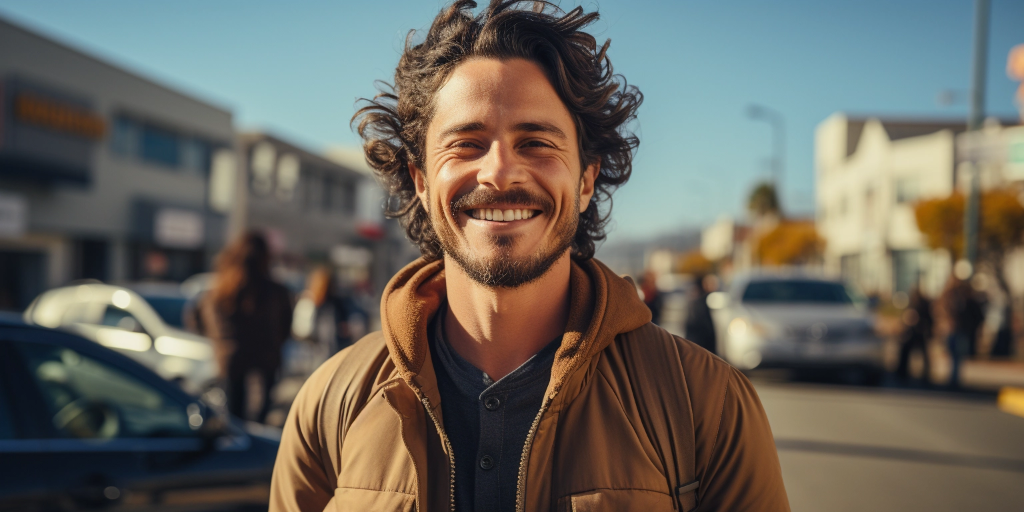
[(175, 228), (49, 134), (1015, 153), (36, 109)]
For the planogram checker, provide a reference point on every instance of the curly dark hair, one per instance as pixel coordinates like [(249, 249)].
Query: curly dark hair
[(394, 123)]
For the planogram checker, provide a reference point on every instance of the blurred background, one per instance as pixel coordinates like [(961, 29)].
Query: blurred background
[(829, 195)]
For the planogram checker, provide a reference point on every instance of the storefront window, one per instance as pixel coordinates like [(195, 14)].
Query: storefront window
[(161, 146)]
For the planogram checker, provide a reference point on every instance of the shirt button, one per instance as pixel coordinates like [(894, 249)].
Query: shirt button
[(486, 462), (492, 403)]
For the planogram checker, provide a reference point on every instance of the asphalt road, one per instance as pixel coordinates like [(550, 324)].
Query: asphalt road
[(855, 449)]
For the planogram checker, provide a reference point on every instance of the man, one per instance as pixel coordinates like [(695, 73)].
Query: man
[(513, 371)]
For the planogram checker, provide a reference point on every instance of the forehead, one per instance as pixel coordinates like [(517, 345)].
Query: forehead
[(498, 93)]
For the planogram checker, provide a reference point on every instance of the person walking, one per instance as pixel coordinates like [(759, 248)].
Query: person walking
[(700, 328), (248, 316), (917, 332), (964, 315)]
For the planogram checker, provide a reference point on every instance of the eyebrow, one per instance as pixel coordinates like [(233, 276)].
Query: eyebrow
[(521, 127)]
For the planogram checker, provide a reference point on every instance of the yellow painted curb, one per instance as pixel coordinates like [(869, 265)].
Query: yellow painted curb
[(1011, 400)]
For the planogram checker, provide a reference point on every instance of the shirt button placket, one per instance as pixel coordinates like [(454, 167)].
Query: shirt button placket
[(492, 403)]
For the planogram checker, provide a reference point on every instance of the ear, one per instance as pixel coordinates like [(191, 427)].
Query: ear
[(419, 178), (587, 184)]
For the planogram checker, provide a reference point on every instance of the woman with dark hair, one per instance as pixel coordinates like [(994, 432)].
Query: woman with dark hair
[(248, 316)]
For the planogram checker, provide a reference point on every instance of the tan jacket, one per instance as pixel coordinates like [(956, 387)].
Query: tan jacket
[(588, 450)]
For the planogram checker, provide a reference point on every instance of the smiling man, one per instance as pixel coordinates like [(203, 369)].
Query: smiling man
[(513, 371)]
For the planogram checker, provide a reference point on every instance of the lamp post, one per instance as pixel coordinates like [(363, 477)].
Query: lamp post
[(974, 119), (774, 118)]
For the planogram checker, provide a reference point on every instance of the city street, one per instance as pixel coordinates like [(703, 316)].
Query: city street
[(847, 449)]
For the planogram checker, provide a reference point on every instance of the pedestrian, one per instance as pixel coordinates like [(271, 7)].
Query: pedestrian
[(248, 316), (917, 333), (964, 315), (514, 371), (651, 295), (700, 327), (333, 311)]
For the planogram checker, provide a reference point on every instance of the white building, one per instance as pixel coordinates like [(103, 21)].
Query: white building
[(103, 173), (869, 173)]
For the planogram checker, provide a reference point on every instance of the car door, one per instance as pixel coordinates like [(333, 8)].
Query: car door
[(92, 434)]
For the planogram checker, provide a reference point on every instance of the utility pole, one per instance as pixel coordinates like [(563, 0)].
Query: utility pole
[(774, 118), (974, 120)]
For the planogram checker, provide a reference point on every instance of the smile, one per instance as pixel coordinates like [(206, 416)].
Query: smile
[(498, 215)]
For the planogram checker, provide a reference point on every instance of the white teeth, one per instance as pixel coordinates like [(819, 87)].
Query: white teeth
[(497, 215)]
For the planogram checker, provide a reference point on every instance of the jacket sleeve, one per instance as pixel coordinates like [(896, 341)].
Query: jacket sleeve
[(743, 472), (300, 482)]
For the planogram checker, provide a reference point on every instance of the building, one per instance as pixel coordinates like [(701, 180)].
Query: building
[(870, 172), (318, 209), (103, 173)]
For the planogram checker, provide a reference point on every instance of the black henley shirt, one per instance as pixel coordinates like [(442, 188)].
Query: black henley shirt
[(486, 421)]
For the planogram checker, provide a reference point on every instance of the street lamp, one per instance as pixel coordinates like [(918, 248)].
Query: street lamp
[(773, 117)]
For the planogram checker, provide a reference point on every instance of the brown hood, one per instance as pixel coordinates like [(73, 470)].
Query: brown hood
[(603, 305)]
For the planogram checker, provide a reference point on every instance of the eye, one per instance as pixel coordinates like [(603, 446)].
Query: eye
[(537, 143)]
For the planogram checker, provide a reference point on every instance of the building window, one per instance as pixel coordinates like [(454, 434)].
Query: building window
[(349, 194), (196, 154), (124, 136), (907, 190), (906, 270), (160, 146), (849, 269)]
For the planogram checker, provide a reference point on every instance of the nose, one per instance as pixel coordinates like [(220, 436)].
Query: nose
[(500, 169)]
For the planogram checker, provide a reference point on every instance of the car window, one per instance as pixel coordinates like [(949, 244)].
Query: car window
[(170, 309), (791, 290), (116, 317), (91, 399)]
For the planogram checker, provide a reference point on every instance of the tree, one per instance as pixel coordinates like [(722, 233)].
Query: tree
[(1001, 226), (790, 243), (941, 221), (764, 200), (695, 263)]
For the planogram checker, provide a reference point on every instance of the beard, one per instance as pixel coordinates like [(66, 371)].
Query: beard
[(504, 270)]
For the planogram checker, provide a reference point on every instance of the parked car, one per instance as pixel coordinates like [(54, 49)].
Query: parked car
[(83, 427), (794, 320), (121, 319)]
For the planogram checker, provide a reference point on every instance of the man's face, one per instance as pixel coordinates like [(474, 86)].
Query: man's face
[(501, 140)]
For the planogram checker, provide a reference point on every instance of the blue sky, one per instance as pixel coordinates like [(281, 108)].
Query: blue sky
[(297, 68)]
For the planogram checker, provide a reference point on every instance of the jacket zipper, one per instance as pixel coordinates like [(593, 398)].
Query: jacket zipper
[(451, 454), (521, 482)]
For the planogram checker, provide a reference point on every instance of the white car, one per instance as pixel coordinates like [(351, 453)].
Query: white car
[(121, 319), (794, 320)]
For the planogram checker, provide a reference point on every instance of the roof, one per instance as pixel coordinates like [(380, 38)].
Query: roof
[(898, 129)]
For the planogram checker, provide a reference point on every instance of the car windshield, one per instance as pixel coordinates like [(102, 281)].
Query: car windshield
[(170, 309), (790, 290)]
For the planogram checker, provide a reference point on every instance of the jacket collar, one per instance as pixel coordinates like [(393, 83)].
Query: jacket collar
[(602, 305)]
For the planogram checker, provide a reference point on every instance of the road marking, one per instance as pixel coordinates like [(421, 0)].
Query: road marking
[(1011, 400)]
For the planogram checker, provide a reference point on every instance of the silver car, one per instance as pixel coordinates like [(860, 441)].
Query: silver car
[(794, 320), (119, 318)]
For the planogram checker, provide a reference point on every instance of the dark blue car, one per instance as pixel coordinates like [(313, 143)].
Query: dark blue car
[(83, 427)]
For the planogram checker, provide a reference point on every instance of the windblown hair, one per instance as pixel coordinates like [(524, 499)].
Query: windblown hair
[(243, 265), (394, 123)]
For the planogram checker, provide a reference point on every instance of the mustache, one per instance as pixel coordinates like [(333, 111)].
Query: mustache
[(516, 196)]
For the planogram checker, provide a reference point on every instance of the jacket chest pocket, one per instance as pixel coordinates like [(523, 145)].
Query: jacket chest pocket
[(618, 500), (347, 499)]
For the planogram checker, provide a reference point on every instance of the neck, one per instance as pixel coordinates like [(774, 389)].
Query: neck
[(498, 329)]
